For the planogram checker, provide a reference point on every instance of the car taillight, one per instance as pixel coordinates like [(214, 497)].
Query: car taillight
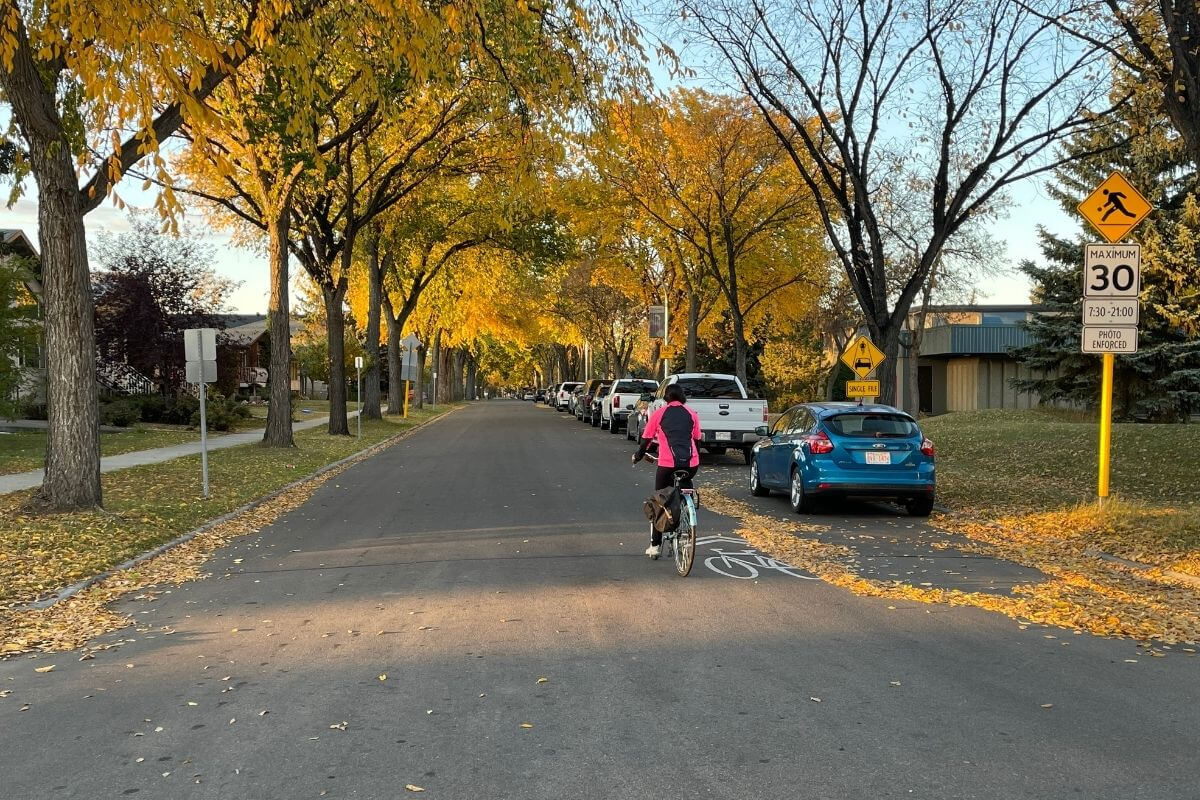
[(819, 444), (616, 401), (927, 448), (764, 413)]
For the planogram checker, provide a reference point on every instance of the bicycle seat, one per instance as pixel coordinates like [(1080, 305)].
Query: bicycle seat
[(681, 473)]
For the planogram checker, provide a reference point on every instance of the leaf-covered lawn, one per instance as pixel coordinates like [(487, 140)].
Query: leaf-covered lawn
[(146, 506), (1033, 475), (25, 451)]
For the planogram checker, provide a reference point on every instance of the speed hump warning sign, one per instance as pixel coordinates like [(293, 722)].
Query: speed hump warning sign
[(863, 357)]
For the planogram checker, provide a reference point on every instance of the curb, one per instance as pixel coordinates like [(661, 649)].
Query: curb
[(76, 588)]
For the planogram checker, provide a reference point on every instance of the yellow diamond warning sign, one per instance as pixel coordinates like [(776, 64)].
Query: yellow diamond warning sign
[(1115, 208), (862, 356)]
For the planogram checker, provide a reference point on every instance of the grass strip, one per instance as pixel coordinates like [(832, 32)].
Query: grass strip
[(26, 450), (149, 505)]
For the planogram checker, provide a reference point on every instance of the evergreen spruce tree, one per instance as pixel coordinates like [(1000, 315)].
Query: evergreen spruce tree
[(1161, 382)]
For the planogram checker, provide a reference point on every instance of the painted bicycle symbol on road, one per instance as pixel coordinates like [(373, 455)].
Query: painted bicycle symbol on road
[(745, 564)]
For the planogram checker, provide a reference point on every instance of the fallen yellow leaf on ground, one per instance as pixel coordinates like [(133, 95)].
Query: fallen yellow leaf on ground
[(412, 787), (44, 669)]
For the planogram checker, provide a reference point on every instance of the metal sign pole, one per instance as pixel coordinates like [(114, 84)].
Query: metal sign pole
[(1106, 393), (360, 403), (666, 334), (204, 433)]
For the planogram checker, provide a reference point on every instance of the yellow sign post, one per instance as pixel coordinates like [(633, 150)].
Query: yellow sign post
[(405, 400), (1115, 208)]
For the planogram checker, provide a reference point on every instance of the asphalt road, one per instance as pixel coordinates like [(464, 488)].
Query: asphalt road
[(502, 545)]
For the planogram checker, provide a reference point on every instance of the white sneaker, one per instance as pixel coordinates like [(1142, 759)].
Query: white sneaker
[(653, 551)]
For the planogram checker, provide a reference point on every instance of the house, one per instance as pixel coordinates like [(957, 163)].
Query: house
[(250, 341), (30, 355), (963, 359)]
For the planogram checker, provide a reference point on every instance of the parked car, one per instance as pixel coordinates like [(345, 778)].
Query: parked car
[(597, 405), (573, 403), (818, 450), (619, 402), (729, 418), (583, 408), (563, 394), (639, 416), (529, 394), (539, 396)]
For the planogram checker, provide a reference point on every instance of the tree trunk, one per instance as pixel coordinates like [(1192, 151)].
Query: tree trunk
[(739, 345), (72, 479), (693, 325), (419, 388), (335, 332), (458, 365), (435, 367), (471, 377), (395, 361), (371, 392), (887, 339), (278, 432)]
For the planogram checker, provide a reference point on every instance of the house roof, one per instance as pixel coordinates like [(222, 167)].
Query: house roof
[(16, 242), (251, 332)]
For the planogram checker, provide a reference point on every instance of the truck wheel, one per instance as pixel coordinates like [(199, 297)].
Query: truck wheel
[(748, 454)]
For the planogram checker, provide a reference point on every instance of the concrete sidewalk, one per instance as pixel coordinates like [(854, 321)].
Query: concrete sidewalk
[(28, 480)]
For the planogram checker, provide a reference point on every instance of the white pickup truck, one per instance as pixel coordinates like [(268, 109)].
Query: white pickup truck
[(728, 417)]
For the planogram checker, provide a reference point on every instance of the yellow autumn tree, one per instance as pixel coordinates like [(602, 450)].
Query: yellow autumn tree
[(711, 174)]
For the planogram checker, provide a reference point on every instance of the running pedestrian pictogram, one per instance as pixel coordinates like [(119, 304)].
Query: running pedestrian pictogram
[(1115, 208)]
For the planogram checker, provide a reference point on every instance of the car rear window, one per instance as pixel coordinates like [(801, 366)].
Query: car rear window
[(871, 426), (637, 386), (715, 388), (570, 387)]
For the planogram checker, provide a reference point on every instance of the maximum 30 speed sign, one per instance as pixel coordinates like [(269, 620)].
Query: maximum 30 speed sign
[(1112, 270), (1112, 279)]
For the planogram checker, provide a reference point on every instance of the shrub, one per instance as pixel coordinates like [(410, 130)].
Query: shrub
[(35, 411), (221, 413), (179, 410), (121, 413), (152, 406)]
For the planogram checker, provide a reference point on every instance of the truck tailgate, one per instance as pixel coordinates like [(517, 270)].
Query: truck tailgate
[(738, 418)]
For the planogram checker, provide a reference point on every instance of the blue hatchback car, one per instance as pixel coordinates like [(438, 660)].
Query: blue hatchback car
[(817, 450)]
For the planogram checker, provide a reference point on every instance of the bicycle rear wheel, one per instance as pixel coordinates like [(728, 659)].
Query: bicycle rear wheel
[(685, 539)]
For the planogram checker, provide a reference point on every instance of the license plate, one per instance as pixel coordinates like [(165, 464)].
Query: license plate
[(874, 457), (723, 436)]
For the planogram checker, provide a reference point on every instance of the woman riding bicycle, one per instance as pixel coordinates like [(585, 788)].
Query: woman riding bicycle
[(676, 429)]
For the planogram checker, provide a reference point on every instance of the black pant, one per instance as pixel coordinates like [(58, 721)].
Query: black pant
[(664, 477)]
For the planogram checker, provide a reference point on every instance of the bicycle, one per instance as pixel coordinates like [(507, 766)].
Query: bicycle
[(681, 542)]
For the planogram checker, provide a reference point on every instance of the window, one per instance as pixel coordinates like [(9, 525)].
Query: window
[(711, 388), (872, 426), (783, 422), (802, 421)]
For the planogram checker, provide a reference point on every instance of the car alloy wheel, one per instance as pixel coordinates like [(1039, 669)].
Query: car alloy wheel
[(756, 487), (800, 503)]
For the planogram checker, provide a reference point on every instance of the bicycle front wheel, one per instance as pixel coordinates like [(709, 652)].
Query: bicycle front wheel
[(685, 539)]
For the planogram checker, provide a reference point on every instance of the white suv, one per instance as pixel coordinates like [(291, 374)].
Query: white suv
[(619, 402), (562, 396)]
